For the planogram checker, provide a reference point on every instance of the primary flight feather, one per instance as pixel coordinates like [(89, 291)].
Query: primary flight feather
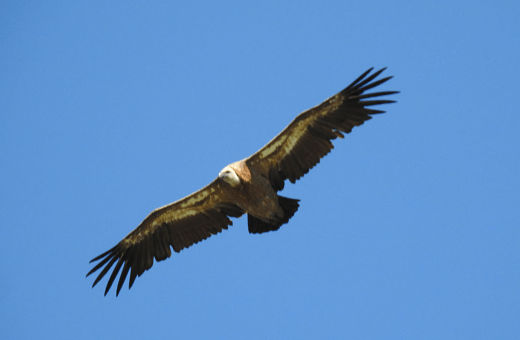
[(248, 186)]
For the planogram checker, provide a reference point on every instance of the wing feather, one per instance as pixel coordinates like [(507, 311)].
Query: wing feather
[(178, 225), (307, 139)]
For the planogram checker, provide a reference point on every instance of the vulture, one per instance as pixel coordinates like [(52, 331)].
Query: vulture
[(249, 186)]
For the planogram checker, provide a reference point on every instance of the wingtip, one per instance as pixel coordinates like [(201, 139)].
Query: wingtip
[(106, 290), (99, 257), (91, 271)]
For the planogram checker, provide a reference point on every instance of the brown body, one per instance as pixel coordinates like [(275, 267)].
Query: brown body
[(256, 196), (249, 186)]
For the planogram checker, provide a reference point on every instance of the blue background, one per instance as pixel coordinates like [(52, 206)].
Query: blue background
[(409, 229)]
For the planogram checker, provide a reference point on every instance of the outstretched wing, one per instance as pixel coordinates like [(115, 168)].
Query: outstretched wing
[(179, 225), (307, 139)]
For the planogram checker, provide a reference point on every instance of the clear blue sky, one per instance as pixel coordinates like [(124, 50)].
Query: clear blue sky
[(409, 229)]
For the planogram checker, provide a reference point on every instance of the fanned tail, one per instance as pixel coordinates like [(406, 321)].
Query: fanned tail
[(288, 205)]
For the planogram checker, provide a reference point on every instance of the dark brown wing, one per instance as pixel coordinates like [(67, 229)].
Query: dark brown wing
[(307, 139), (179, 225)]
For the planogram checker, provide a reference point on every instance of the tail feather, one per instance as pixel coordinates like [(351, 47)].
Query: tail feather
[(288, 205)]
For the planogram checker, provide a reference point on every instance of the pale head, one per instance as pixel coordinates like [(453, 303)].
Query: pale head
[(229, 176)]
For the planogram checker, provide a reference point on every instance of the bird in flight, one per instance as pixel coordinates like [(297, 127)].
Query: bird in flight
[(249, 186)]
